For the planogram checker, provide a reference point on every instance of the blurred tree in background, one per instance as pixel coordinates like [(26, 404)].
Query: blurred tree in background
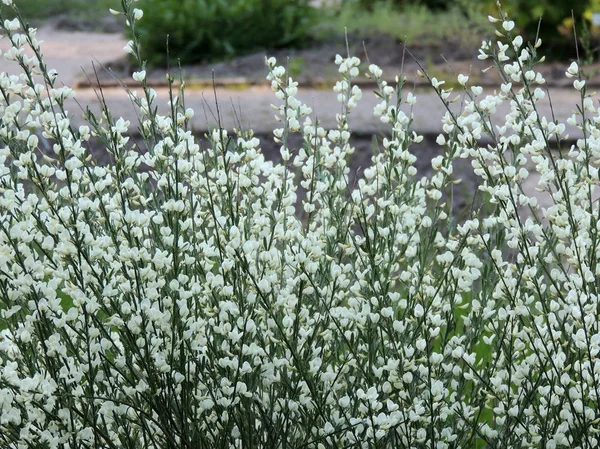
[(33, 9), (432, 4), (204, 30)]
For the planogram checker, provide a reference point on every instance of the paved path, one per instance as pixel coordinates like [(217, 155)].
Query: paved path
[(253, 108), (72, 53)]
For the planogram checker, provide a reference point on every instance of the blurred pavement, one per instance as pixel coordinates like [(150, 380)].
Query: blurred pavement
[(71, 53)]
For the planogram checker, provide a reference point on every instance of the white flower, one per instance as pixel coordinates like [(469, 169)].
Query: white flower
[(573, 70), (139, 76), (517, 42), (436, 84), (579, 84), (344, 402), (12, 25), (270, 62), (129, 48), (287, 321), (419, 311), (375, 70), (508, 25)]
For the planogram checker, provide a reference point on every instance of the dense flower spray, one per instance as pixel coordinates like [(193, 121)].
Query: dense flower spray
[(189, 296)]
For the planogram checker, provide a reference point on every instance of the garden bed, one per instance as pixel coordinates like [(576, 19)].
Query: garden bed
[(314, 66)]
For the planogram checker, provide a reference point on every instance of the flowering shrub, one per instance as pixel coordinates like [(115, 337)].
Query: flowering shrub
[(190, 304)]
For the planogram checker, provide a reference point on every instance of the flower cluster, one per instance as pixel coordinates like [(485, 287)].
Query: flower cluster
[(188, 295)]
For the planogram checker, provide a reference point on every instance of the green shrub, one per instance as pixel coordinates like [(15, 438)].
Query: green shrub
[(42, 9), (553, 12), (201, 30), (526, 13), (369, 5), (412, 24)]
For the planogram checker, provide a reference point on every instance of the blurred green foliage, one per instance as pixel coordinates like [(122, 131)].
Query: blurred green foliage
[(415, 24), (553, 29), (431, 4), (204, 30), (41, 9), (526, 13)]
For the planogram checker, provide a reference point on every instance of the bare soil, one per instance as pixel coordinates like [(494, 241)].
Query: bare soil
[(360, 160)]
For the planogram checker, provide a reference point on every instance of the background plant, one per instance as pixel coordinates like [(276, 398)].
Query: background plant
[(412, 24), (553, 14), (42, 9), (526, 13), (202, 30), (200, 303), (369, 5)]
